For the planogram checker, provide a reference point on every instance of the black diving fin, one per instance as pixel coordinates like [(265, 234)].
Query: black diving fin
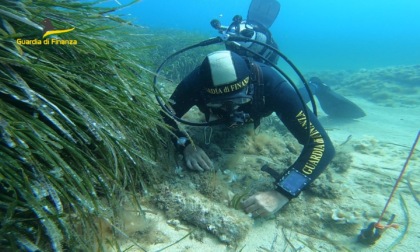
[(263, 12), (334, 104)]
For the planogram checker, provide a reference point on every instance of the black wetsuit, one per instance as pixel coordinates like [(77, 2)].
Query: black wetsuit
[(281, 98)]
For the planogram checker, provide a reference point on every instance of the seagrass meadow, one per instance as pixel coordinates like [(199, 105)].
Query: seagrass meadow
[(80, 131)]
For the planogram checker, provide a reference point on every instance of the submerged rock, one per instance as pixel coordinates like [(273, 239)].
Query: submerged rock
[(229, 225)]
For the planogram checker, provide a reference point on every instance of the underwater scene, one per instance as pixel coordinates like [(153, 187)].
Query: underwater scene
[(257, 125)]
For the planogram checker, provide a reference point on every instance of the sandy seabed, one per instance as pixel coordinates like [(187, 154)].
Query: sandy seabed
[(196, 212)]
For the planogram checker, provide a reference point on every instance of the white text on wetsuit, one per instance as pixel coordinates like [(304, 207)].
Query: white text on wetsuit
[(230, 88)]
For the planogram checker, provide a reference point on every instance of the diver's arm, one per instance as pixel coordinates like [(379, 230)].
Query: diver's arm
[(182, 100), (314, 158), (317, 152), (185, 96), (281, 98)]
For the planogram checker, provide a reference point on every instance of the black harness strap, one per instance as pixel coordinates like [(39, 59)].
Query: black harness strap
[(258, 102)]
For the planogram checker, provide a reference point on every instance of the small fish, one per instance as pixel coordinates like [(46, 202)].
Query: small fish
[(347, 140)]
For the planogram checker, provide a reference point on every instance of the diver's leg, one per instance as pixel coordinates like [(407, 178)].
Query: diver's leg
[(304, 92), (332, 103)]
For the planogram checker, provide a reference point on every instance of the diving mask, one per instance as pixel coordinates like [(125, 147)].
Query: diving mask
[(229, 104), (229, 111)]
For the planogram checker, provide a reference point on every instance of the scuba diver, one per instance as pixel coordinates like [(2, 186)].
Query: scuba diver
[(239, 90), (261, 15), (242, 85)]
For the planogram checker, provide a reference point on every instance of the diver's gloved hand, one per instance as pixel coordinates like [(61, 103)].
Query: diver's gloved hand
[(265, 203), (197, 159)]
